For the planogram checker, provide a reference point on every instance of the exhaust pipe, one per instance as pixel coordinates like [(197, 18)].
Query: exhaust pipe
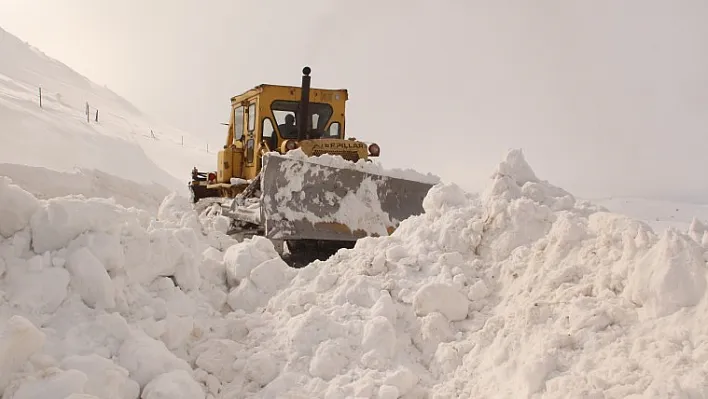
[(303, 118)]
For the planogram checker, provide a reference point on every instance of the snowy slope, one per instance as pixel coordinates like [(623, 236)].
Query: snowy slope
[(522, 291), (657, 213), (58, 137)]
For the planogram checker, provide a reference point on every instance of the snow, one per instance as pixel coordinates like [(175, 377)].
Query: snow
[(16, 208), (45, 183), (519, 291), (374, 166), (111, 288), (659, 214), (58, 137)]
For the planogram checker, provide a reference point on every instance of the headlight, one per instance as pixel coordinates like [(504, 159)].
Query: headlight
[(374, 150), (290, 145)]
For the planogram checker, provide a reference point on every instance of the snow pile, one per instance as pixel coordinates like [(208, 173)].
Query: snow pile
[(97, 297), (374, 166), (521, 291), (124, 142)]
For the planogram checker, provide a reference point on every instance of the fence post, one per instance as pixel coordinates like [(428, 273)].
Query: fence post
[(96, 115), (88, 114), (40, 96), (207, 147), (182, 141)]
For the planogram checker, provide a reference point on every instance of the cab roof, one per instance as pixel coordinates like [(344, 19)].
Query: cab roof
[(293, 90)]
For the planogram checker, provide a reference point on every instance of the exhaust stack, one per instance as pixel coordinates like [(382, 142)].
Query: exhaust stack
[(303, 118)]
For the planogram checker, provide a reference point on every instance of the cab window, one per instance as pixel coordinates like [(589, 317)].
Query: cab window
[(269, 135), (251, 117), (250, 150), (285, 113), (238, 123), (333, 131)]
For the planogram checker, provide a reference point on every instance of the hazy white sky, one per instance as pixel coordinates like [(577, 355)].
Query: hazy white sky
[(605, 97)]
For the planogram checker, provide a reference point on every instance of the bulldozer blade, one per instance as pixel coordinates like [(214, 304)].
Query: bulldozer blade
[(303, 200)]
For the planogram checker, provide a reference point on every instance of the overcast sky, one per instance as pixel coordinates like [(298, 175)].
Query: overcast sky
[(605, 97)]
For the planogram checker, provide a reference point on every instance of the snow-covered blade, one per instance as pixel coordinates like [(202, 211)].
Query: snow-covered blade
[(306, 200)]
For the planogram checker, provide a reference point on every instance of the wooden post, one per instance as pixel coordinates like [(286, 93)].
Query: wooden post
[(40, 97), (182, 141), (96, 115), (207, 147), (88, 114)]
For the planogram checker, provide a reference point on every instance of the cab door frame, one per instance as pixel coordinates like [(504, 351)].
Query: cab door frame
[(251, 137)]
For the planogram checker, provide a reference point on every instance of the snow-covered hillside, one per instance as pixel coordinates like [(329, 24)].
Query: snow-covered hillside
[(657, 213), (57, 136), (522, 291)]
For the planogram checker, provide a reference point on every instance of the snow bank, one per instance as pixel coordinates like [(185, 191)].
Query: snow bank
[(520, 291), (100, 299), (45, 183), (659, 214)]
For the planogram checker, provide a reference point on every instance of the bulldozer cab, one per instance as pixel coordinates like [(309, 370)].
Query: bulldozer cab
[(284, 118)]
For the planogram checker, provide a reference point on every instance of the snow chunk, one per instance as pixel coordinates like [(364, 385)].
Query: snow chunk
[(91, 279), (379, 336), (671, 275), (106, 247), (106, 379), (443, 298), (56, 385), (38, 291), (272, 275), (262, 283), (442, 198), (403, 379), (242, 258), (175, 384), (696, 230), (218, 358), (19, 340), (330, 358), (16, 207), (516, 168), (146, 358), (61, 220), (262, 368)]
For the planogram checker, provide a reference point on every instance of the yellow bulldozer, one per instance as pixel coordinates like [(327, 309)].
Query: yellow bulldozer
[(271, 179)]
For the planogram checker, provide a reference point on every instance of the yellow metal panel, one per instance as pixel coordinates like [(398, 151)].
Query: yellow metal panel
[(224, 166), (229, 164), (347, 149), (237, 162)]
